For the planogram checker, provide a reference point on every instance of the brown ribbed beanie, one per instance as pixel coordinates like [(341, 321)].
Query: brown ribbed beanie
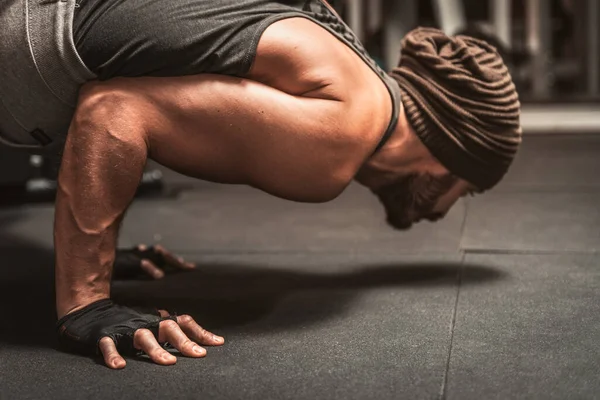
[(460, 100)]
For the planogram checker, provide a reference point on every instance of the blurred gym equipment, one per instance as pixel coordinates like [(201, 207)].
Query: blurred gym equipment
[(31, 178), (553, 48)]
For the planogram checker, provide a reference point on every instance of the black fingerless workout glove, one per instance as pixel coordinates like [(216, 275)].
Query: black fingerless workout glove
[(127, 262), (82, 330)]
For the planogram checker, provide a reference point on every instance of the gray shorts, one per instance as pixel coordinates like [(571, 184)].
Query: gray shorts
[(41, 72)]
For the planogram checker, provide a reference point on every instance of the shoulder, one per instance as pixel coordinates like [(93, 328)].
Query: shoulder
[(297, 55), (300, 57)]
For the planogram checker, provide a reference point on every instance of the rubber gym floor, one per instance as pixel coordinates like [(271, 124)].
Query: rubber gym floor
[(501, 300)]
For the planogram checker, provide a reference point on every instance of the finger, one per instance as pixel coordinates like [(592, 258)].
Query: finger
[(197, 333), (163, 313), (151, 269), (112, 358), (171, 332), (172, 260), (144, 340)]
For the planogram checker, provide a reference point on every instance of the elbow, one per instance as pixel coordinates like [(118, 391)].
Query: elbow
[(327, 187), (337, 174), (321, 191), (338, 183), (334, 182), (332, 192)]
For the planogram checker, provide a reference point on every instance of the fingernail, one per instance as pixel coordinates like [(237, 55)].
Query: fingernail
[(218, 339), (197, 350)]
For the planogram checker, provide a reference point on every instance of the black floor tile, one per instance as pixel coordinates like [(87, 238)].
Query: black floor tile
[(533, 335), (553, 222), (555, 161), (297, 326)]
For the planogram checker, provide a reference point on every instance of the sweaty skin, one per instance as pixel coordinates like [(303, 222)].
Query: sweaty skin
[(299, 127)]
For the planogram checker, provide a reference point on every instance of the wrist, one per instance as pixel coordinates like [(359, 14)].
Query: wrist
[(76, 290), (67, 303)]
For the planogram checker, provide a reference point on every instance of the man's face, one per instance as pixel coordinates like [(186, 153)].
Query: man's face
[(419, 196)]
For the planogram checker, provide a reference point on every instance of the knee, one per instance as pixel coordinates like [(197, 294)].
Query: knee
[(99, 102), (104, 111)]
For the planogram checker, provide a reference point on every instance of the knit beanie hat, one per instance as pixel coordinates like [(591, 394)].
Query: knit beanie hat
[(460, 100)]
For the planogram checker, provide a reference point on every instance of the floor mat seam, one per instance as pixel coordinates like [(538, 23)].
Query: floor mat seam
[(443, 389), (517, 252)]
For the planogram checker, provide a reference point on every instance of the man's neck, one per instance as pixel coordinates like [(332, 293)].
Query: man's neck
[(398, 156)]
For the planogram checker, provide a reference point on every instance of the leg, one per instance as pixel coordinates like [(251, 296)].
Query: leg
[(214, 127)]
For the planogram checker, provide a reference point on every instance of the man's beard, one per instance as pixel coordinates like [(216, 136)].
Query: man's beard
[(413, 197)]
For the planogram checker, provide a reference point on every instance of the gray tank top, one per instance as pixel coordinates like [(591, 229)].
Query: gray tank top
[(109, 38)]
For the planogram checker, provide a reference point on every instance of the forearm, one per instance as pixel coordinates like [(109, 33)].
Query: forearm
[(100, 171)]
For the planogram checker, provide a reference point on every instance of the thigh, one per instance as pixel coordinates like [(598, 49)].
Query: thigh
[(235, 130)]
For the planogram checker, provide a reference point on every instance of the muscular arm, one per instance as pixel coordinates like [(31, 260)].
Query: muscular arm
[(213, 127)]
